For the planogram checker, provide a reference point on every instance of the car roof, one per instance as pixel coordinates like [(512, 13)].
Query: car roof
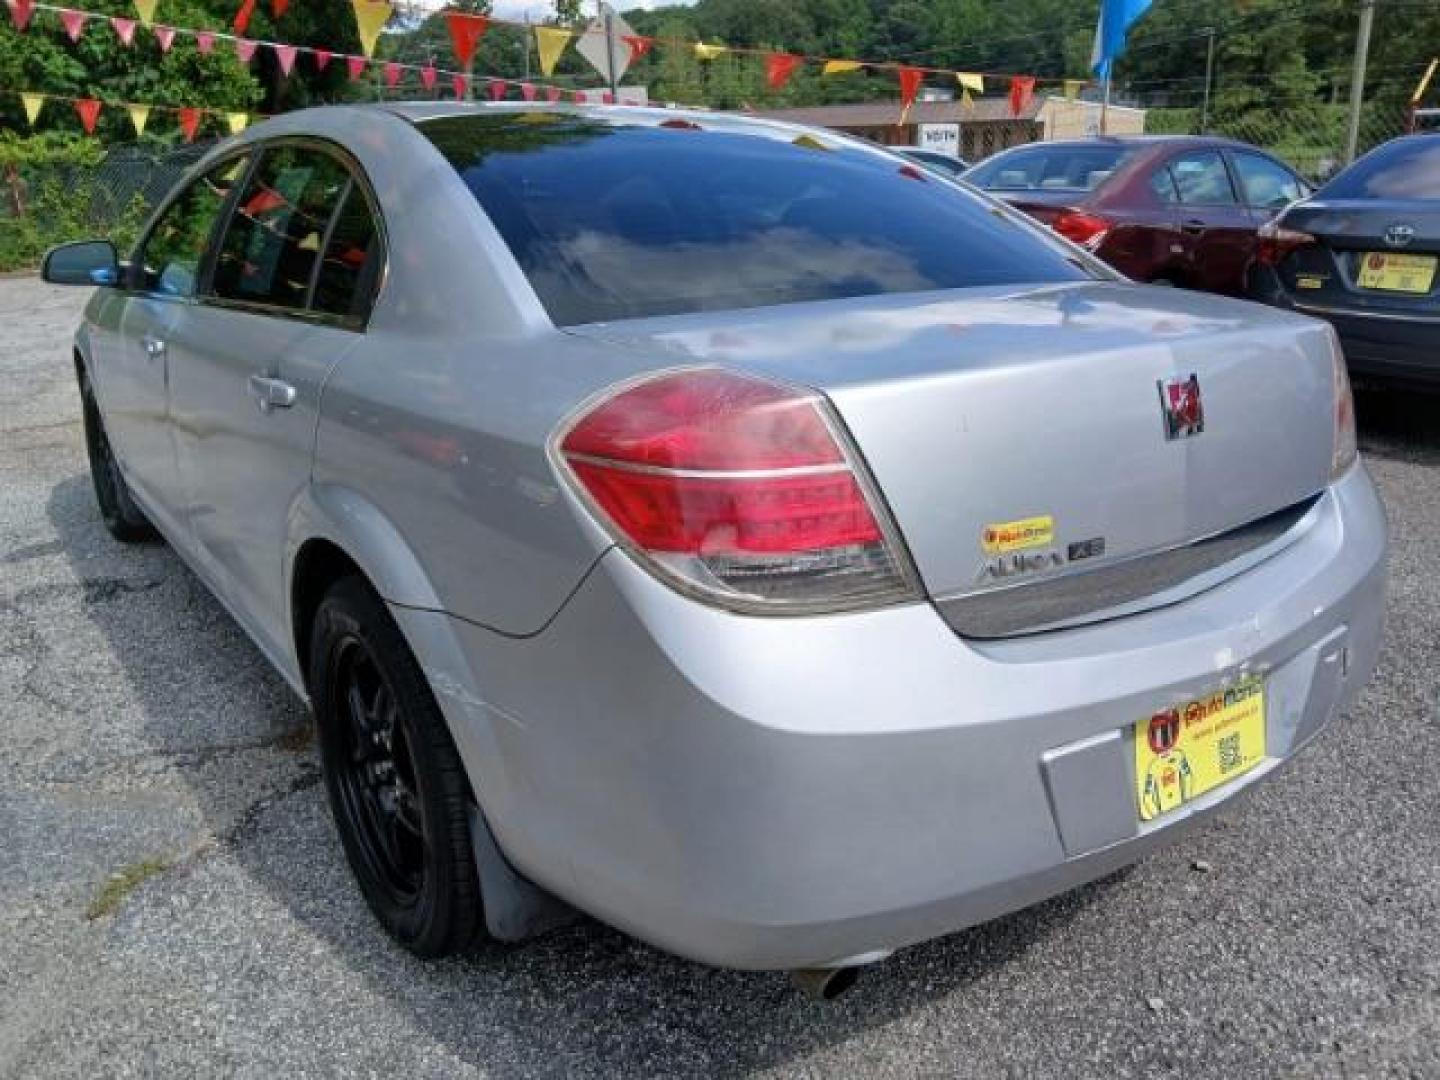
[(1156, 141)]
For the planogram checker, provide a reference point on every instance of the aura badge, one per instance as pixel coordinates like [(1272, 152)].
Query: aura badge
[(1181, 407)]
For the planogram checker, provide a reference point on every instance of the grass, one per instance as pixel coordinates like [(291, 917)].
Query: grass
[(121, 884)]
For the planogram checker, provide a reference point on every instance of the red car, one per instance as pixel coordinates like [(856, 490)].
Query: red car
[(1178, 209)]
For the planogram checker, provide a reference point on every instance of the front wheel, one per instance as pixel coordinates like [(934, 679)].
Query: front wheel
[(396, 785), (126, 521)]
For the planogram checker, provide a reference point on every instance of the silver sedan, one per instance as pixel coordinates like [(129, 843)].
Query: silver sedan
[(723, 528)]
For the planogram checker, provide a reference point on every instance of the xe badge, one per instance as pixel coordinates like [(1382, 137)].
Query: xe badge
[(1181, 407)]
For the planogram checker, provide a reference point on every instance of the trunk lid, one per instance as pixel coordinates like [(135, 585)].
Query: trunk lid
[(980, 410), (1044, 206), (1350, 231)]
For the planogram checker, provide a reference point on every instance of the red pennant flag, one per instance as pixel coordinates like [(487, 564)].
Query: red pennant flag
[(74, 23), (321, 57), (189, 122), (242, 17), (639, 46), (578, 97), (552, 94), (392, 74), (124, 29), (356, 66), (527, 91), (607, 98), (89, 110), (245, 49), (165, 36), (910, 80), (1022, 89), (498, 88), (204, 42), (285, 57), (277, 7), (779, 67), (427, 76), (20, 12), (465, 33), (461, 85)]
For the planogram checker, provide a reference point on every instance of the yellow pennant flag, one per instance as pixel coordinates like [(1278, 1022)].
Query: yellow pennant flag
[(551, 42), (237, 121), (1072, 89), (708, 52), (969, 82), (33, 103), (840, 67), (370, 18), (146, 10), (139, 115)]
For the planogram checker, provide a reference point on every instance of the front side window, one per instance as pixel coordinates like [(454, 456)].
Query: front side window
[(170, 258), (278, 228), (1266, 183), (614, 220), (1202, 180)]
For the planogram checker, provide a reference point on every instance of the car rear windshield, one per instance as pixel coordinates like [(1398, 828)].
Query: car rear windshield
[(1404, 169), (1050, 168), (622, 220)]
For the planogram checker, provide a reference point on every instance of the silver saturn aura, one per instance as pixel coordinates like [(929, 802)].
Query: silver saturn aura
[(726, 529)]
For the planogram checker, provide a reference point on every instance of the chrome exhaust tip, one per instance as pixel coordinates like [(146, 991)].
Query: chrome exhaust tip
[(824, 984)]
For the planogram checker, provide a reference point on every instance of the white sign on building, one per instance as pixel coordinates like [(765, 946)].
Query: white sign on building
[(941, 138)]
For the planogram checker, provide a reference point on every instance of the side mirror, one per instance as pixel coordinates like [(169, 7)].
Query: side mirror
[(87, 262)]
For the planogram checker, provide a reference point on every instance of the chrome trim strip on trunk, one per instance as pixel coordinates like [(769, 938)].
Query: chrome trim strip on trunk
[(1364, 313), (1124, 587)]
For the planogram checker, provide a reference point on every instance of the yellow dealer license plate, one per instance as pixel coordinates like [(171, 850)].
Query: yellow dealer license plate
[(1182, 753), (1397, 273)]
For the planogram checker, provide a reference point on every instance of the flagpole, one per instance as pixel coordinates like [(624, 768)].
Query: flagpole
[(1105, 105)]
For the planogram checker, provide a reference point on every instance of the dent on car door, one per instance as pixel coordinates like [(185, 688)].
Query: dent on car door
[(1216, 228), (286, 300), (159, 297)]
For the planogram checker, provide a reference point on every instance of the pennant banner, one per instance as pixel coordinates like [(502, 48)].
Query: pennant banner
[(242, 17), (139, 116), (552, 94), (497, 89), (527, 91), (164, 37), (1022, 90), (840, 67), (370, 18), (278, 8), (74, 23), (427, 76), (321, 58), (237, 122), (779, 67), (461, 85), (204, 42), (356, 66), (1072, 89), (465, 33), (89, 110), (245, 49), (638, 45), (20, 12), (33, 103), (550, 42), (124, 29), (706, 53), (189, 122), (910, 80), (392, 74), (146, 10), (285, 57)]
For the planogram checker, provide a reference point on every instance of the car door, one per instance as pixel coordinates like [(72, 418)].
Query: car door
[(287, 297), (132, 368), (1266, 186), (1216, 231)]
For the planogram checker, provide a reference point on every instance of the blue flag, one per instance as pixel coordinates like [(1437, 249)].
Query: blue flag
[(1116, 18)]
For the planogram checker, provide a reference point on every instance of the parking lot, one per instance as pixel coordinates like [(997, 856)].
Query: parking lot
[(173, 898)]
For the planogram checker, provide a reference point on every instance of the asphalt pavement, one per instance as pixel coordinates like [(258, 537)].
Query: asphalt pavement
[(173, 900)]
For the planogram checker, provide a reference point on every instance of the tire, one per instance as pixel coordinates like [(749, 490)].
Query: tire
[(126, 521), (397, 788)]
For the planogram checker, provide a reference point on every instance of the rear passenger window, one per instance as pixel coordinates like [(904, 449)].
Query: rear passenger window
[(278, 228), (1202, 180), (1163, 184), (351, 266)]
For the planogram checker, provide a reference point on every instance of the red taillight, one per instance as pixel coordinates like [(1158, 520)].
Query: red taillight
[(1275, 242), (1087, 230), (739, 488)]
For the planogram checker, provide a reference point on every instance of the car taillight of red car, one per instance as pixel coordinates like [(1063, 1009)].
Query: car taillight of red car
[(1087, 230)]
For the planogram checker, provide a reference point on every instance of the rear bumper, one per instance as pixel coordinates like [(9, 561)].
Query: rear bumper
[(1377, 345), (772, 793)]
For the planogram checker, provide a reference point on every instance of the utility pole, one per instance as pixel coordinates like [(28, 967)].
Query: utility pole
[(1209, 32), (1357, 78)]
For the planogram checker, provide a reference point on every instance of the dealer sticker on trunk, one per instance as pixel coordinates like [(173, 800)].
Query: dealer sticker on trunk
[(1182, 753), (1007, 536)]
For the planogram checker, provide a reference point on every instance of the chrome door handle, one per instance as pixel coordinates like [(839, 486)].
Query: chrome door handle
[(153, 346), (271, 393)]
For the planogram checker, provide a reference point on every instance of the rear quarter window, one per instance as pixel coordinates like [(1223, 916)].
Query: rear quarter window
[(614, 221)]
